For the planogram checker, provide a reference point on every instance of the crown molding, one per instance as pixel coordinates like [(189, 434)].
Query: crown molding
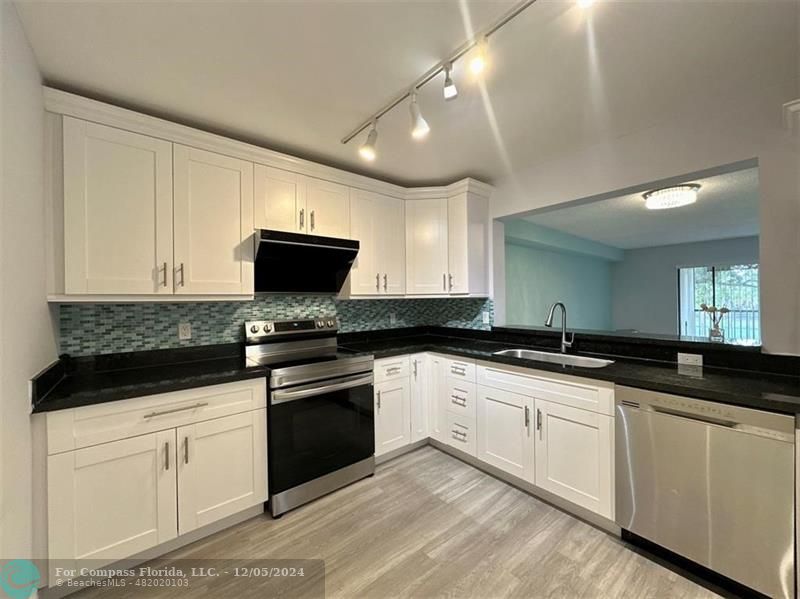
[(791, 116), (69, 104)]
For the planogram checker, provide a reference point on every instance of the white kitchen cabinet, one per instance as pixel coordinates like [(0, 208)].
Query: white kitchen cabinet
[(328, 206), (461, 433), (468, 244), (213, 223), (379, 268), (117, 211), (419, 395), (113, 500), (426, 247), (221, 468), (280, 200), (505, 439), (438, 397), (574, 455), (392, 415)]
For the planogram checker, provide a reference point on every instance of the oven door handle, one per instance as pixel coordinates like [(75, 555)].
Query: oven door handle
[(282, 396)]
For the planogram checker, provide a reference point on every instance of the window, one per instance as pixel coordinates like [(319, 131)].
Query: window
[(733, 287)]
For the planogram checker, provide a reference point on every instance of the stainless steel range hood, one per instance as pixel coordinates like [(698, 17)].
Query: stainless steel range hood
[(296, 263)]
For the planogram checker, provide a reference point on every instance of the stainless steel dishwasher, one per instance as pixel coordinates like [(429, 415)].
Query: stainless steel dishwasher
[(711, 482)]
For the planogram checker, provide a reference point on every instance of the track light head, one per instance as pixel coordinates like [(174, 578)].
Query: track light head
[(450, 91), (367, 150), (419, 126), (480, 57)]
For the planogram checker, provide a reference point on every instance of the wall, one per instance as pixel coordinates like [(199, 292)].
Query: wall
[(87, 329), (27, 342), (535, 278), (645, 283), (718, 131)]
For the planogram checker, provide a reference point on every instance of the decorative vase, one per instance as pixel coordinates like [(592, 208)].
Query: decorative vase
[(716, 335)]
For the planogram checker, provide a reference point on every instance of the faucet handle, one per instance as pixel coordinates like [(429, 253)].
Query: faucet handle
[(571, 339)]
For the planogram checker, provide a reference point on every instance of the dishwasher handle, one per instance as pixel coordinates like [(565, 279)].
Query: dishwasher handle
[(696, 417)]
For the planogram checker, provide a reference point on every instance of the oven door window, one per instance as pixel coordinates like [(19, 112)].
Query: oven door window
[(316, 435)]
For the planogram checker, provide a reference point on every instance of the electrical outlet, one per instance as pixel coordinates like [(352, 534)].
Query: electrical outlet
[(690, 359), (392, 318), (184, 331), (487, 318)]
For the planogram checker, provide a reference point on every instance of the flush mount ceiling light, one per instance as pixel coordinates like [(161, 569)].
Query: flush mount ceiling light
[(450, 91), (478, 62), (367, 150), (419, 126), (671, 197)]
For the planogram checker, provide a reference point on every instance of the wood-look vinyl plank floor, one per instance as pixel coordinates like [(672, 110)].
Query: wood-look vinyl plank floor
[(428, 525)]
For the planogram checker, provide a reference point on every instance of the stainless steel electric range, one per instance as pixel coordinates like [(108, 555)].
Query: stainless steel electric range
[(320, 415)]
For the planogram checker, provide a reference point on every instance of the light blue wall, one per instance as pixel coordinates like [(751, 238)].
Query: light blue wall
[(535, 278)]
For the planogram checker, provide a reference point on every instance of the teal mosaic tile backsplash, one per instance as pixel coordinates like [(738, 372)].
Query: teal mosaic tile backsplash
[(89, 329)]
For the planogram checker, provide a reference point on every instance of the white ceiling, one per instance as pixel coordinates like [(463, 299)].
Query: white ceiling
[(727, 206), (297, 76)]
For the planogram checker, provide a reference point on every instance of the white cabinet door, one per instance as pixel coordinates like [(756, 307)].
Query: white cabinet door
[(438, 397), (328, 207), (574, 453), (365, 214), (222, 468), (505, 438), (458, 244), (117, 211), (392, 246), (426, 247), (113, 500), (392, 415), (420, 385), (280, 200), (213, 223)]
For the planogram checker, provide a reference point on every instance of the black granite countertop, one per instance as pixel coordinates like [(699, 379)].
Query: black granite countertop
[(85, 381), (777, 393)]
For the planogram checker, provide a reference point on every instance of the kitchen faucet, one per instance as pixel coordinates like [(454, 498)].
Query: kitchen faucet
[(549, 323)]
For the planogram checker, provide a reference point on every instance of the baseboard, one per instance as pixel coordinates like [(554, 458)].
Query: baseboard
[(159, 550), (570, 508), (396, 453)]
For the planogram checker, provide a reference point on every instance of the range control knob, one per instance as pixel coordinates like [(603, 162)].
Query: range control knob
[(320, 324), (267, 328), (254, 329), (331, 323)]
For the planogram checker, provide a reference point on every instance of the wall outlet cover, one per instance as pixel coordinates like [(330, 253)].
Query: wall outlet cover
[(392, 318), (487, 318), (690, 359), (184, 331)]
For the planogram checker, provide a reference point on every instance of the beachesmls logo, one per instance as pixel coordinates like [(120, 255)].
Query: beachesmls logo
[(19, 578)]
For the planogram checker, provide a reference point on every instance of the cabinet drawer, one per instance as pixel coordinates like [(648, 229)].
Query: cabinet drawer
[(586, 394), (390, 369), (460, 434), (92, 425), (460, 399), (461, 369)]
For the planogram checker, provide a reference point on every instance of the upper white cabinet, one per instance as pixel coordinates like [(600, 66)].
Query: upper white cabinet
[(447, 245), (328, 206), (379, 268), (117, 211), (213, 223), (280, 200), (426, 247)]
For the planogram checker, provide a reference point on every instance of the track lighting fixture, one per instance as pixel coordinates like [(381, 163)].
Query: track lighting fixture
[(480, 58), (450, 91), (367, 150), (419, 126)]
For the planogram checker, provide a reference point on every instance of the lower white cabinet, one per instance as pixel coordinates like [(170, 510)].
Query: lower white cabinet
[(574, 454), (112, 500), (419, 394), (504, 431), (221, 468), (437, 393), (392, 415)]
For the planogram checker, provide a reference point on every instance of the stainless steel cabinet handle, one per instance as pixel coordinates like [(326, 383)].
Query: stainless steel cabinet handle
[(458, 370), (450, 282), (180, 270), (385, 282), (200, 404), (459, 436), (458, 400), (539, 422), (302, 219), (186, 450), (312, 220), (527, 418), (379, 401), (164, 279), (166, 455), (377, 282), (393, 370), (444, 281), (415, 368)]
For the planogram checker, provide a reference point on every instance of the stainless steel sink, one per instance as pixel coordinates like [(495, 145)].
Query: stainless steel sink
[(554, 358)]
